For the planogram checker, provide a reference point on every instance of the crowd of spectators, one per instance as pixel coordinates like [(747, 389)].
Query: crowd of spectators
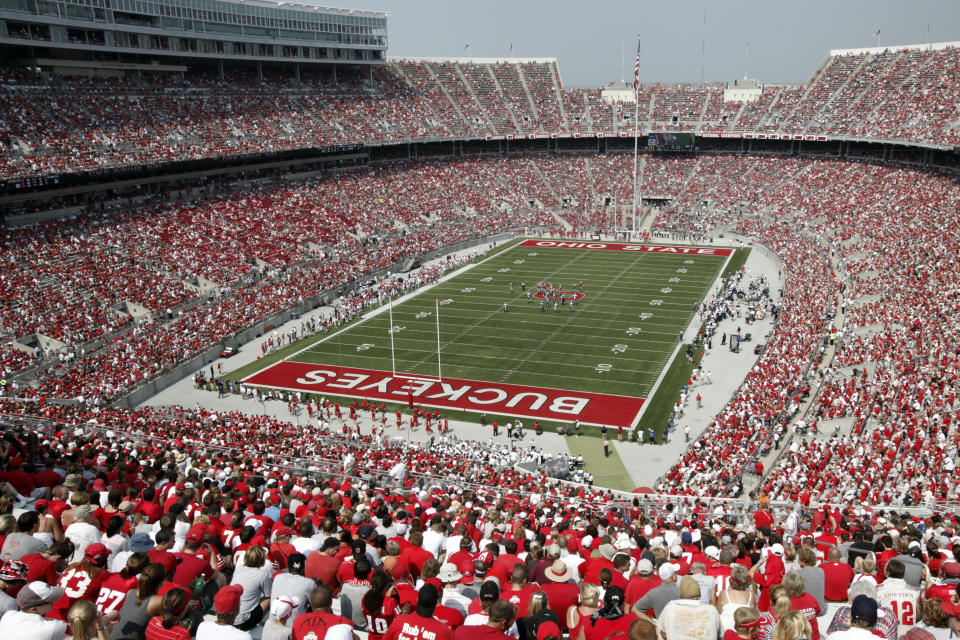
[(82, 124), (829, 221), (157, 524)]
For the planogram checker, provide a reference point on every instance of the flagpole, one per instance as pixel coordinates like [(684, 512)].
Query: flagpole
[(636, 132), (393, 360), (439, 371)]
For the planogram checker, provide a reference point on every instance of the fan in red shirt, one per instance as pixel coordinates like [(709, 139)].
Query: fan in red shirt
[(167, 626), (500, 618), (590, 569), (192, 564), (518, 591), (773, 572), (611, 619), (560, 593), (379, 609), (281, 548), (642, 582), (415, 555), (837, 577), (316, 623), (82, 580), (323, 565), (46, 566), (114, 589), (420, 625), (149, 508)]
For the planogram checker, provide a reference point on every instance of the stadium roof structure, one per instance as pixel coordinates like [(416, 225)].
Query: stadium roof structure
[(241, 30)]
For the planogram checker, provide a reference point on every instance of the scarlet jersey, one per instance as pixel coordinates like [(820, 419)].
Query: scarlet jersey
[(902, 598), (721, 574), (113, 592), (378, 623), (77, 584)]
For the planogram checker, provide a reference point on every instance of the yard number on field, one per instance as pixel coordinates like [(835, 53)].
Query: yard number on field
[(618, 348), (487, 279), (532, 254), (632, 331), (504, 270), (603, 368), (422, 315), (674, 279), (518, 262), (445, 301), (467, 290), (656, 303), (365, 346), (646, 316), (682, 270), (666, 290), (395, 329)]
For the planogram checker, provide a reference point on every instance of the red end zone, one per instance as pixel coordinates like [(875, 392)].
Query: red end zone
[(613, 246), (469, 395)]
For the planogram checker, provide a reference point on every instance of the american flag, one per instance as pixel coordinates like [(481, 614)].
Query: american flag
[(636, 73)]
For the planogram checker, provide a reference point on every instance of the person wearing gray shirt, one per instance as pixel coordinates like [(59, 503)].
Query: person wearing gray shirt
[(658, 597), (255, 576), (294, 584), (914, 567), (814, 580), (708, 584), (352, 592), (22, 543)]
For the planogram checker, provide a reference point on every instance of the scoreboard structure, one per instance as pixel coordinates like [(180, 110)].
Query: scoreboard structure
[(672, 141)]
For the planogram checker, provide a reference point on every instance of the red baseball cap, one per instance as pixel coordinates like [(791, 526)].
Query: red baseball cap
[(284, 531), (400, 572), (548, 629), (227, 599), (197, 533), (97, 552), (466, 569), (168, 560), (950, 608)]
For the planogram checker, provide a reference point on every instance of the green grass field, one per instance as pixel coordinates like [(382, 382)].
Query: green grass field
[(617, 339)]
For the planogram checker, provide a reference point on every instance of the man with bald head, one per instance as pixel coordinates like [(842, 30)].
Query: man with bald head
[(837, 577)]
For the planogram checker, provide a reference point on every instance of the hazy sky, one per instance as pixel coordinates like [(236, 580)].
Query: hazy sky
[(787, 39)]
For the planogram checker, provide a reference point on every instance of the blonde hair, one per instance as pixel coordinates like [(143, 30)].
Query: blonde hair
[(792, 626), (82, 617), (779, 601), (255, 556), (789, 553), (744, 615), (79, 498), (793, 583), (589, 595), (538, 602)]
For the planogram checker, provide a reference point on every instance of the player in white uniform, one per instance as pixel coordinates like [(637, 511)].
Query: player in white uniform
[(895, 593)]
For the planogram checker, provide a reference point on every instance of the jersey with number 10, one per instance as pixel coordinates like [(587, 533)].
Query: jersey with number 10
[(377, 623)]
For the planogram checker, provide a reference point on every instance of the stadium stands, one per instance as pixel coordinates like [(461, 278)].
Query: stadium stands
[(906, 95), (133, 291)]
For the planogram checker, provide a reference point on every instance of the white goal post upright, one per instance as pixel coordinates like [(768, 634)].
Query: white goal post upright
[(393, 359), (439, 370)]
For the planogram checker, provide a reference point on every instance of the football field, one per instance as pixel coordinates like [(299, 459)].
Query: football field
[(454, 345)]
